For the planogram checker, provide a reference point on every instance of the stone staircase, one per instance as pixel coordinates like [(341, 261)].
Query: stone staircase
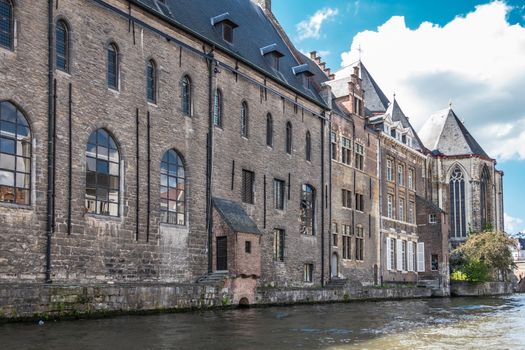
[(213, 278), (336, 283)]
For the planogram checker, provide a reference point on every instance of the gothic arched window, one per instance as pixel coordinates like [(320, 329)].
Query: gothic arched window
[(244, 120), (62, 46), (113, 67), (484, 196), (457, 203), (152, 81), (308, 210), (172, 189), (308, 146), (289, 138), (269, 130), (102, 174), (186, 95), (6, 24), (15, 155)]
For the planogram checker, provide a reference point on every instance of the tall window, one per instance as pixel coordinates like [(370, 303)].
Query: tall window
[(389, 206), (308, 210), (359, 156), (102, 174), (308, 273), (308, 146), (359, 202), (278, 194), (346, 196), (152, 81), (359, 243), (401, 212), (289, 138), (217, 108), (186, 95), (244, 120), (484, 195), (401, 175), (172, 189), (404, 256), (113, 67), (347, 241), (334, 234), (278, 244), (15, 155), (6, 24), (411, 178), (389, 174), (269, 130), (62, 46), (411, 213), (346, 151), (333, 145), (248, 186), (457, 203)]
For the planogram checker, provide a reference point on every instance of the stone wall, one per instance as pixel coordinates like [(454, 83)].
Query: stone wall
[(466, 289)]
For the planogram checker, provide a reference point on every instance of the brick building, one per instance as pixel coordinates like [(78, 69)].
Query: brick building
[(181, 141)]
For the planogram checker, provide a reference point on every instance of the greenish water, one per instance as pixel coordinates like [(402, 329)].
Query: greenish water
[(458, 323)]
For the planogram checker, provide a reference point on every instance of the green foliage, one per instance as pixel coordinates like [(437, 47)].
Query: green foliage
[(458, 276), (484, 254)]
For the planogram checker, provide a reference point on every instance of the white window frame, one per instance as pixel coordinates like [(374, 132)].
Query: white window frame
[(399, 249), (410, 247), (421, 257)]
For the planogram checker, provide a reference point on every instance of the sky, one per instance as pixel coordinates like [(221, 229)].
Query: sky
[(431, 53)]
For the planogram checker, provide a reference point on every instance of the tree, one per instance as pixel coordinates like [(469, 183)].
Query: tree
[(486, 249)]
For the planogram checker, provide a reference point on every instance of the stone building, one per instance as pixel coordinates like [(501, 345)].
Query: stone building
[(464, 179), (159, 141)]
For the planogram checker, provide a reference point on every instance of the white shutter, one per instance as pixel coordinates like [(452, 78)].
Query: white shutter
[(399, 252), (410, 256), (388, 254), (421, 257)]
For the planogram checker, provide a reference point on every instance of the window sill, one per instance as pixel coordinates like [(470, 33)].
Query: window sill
[(63, 72), (103, 217), (114, 91), (153, 104), (16, 206), (8, 50), (168, 225)]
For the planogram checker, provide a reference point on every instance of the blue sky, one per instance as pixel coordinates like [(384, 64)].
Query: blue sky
[(429, 53)]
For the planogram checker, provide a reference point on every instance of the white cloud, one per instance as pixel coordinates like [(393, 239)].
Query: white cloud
[(513, 225), (476, 60), (310, 28)]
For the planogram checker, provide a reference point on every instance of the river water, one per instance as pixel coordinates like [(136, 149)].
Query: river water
[(458, 323)]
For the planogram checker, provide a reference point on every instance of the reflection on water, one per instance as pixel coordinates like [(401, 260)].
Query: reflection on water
[(460, 323)]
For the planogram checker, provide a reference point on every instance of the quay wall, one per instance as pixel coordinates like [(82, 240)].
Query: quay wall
[(466, 289)]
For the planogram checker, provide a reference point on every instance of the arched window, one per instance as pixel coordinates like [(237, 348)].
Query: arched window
[(102, 174), (269, 130), (289, 138), (484, 196), (308, 210), (152, 81), (15, 155), (186, 95), (172, 189), (457, 203), (308, 146), (62, 46), (6, 24), (244, 120), (217, 108), (113, 67)]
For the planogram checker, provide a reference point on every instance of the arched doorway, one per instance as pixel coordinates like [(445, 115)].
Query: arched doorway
[(334, 268)]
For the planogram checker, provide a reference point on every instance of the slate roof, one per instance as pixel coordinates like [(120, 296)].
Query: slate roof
[(375, 100), (235, 216), (445, 134), (255, 31), (397, 115)]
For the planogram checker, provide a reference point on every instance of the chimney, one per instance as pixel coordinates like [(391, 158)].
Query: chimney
[(265, 4)]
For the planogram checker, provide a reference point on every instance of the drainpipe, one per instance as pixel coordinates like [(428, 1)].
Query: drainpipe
[(322, 200), (209, 156), (330, 197), (380, 183), (50, 142)]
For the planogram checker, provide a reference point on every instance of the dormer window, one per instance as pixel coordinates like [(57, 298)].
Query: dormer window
[(272, 55), (393, 133), (226, 25), (304, 73), (404, 139)]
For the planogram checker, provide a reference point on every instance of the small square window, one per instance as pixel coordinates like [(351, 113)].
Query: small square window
[(227, 33), (432, 219)]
